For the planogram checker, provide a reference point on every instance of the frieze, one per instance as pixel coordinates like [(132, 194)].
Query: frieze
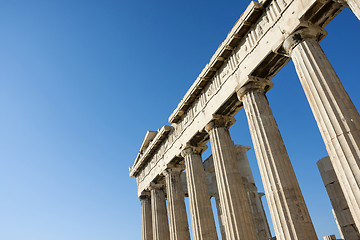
[(232, 67), (270, 16)]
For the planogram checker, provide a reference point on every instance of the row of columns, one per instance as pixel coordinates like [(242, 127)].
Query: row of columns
[(178, 226), (339, 124), (254, 198)]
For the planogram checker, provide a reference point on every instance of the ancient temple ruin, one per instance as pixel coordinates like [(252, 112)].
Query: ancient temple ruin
[(266, 37)]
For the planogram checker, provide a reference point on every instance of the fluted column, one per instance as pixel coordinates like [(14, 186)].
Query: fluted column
[(344, 218), (234, 204), (256, 207), (202, 218), (220, 216), (354, 5), (146, 219), (218, 208), (335, 114), (178, 223), (288, 210), (159, 213)]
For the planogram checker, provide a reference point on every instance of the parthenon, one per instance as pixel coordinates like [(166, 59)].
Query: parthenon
[(169, 166)]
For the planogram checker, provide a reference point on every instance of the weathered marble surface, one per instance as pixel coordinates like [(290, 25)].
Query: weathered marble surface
[(287, 206), (251, 47), (160, 222), (265, 38), (202, 218), (336, 115), (236, 214), (146, 218), (342, 214), (178, 222)]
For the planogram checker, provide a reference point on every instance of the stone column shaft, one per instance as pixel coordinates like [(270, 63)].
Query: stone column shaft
[(234, 204), (341, 209), (219, 211), (202, 218), (159, 214), (335, 114), (146, 219), (256, 207), (288, 210), (337, 224), (178, 223)]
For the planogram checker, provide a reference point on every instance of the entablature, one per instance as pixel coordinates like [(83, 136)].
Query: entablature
[(241, 27), (257, 53)]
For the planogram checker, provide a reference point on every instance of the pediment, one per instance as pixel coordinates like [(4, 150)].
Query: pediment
[(149, 136)]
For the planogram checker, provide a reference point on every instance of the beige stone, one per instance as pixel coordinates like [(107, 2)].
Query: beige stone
[(354, 5), (235, 207), (178, 223), (337, 223), (160, 222), (146, 219), (259, 45), (288, 210), (330, 237), (220, 215), (335, 114), (250, 47), (342, 213), (257, 209), (202, 218)]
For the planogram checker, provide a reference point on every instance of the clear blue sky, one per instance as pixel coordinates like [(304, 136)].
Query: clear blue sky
[(82, 81)]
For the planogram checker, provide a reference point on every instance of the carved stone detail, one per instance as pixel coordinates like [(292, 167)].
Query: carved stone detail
[(146, 218), (178, 224), (235, 207), (220, 121), (288, 210), (254, 84), (202, 218), (336, 115), (191, 149), (159, 213), (305, 32)]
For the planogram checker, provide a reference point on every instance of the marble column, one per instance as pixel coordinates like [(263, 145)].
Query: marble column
[(234, 204), (178, 223), (219, 211), (354, 5), (341, 209), (337, 224), (146, 219), (335, 114), (202, 217), (159, 213), (256, 207), (288, 210)]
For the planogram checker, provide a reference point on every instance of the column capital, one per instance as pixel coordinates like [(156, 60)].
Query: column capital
[(219, 121), (153, 185), (145, 195), (193, 149), (173, 169), (254, 84), (305, 32), (242, 148)]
